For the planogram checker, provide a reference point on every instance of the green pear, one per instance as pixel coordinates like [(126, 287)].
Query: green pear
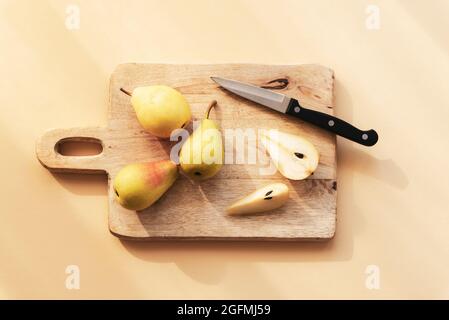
[(264, 199), (295, 157), (202, 155), (137, 186), (160, 109)]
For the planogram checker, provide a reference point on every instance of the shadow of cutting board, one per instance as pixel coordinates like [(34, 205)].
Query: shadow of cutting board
[(191, 211)]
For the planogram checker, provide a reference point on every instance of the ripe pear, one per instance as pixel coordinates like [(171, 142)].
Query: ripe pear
[(160, 109), (264, 199), (294, 156), (137, 186), (202, 155)]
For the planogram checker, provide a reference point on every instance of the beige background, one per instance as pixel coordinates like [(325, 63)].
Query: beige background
[(392, 205)]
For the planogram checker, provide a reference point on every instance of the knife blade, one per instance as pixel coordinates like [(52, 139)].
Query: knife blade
[(288, 105)]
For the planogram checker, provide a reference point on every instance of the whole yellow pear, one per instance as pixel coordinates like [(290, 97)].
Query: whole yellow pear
[(137, 186), (202, 155), (160, 109)]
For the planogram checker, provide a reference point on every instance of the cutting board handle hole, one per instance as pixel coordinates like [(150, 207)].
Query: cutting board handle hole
[(79, 147)]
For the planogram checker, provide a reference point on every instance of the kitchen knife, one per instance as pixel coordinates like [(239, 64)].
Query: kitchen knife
[(291, 106)]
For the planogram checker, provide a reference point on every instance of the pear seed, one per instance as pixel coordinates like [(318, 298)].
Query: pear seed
[(299, 155), (268, 193), (268, 198)]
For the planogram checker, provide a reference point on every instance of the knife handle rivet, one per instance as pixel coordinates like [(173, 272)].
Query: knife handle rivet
[(297, 109), (331, 123), (364, 136)]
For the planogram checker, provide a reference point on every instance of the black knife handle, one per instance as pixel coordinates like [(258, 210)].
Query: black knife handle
[(332, 124)]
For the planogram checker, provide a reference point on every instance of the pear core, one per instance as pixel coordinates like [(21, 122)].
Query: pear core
[(295, 157)]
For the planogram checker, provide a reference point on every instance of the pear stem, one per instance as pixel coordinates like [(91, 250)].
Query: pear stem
[(126, 92), (209, 108)]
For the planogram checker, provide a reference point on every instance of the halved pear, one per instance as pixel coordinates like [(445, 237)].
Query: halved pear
[(295, 157), (267, 198)]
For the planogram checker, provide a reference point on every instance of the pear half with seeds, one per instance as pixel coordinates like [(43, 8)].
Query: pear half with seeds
[(264, 199), (295, 157)]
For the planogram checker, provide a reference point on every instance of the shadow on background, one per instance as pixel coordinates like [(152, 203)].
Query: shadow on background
[(60, 59), (83, 184), (432, 18), (52, 234)]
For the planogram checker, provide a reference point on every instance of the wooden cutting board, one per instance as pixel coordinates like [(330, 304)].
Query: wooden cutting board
[(190, 211)]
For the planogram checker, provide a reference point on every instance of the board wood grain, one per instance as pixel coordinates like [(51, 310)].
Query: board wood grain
[(190, 211)]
